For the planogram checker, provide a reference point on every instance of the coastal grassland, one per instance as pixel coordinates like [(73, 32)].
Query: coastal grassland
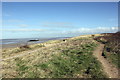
[(9, 52), (67, 59), (111, 54), (111, 49)]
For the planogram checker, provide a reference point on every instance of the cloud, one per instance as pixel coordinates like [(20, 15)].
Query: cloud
[(91, 30), (7, 15), (17, 30), (112, 19), (15, 25), (23, 25), (0, 21), (57, 24), (13, 20)]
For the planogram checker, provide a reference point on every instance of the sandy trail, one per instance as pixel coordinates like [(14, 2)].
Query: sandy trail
[(109, 69)]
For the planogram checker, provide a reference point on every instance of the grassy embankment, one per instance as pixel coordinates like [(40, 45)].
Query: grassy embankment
[(9, 52), (14, 51), (67, 59), (111, 49)]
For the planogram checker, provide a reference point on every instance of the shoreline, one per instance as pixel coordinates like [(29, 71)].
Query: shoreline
[(7, 46), (15, 45)]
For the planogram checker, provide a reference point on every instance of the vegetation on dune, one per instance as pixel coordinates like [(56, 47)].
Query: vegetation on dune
[(76, 61), (111, 56), (112, 46), (13, 51), (69, 58), (71, 62)]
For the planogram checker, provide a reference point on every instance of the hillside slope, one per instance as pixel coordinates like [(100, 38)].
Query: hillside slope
[(70, 58)]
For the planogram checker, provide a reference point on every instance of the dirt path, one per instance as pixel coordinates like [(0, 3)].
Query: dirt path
[(111, 71)]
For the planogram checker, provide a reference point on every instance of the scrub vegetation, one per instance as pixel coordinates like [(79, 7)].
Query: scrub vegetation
[(70, 58), (112, 47)]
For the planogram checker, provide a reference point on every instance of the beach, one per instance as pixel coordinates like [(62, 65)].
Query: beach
[(13, 43)]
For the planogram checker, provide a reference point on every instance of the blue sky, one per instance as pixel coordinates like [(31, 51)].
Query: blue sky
[(58, 19)]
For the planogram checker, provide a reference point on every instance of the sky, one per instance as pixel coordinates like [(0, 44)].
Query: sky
[(57, 19)]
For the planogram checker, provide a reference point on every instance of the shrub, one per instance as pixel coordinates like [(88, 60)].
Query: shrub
[(104, 54), (24, 47), (39, 45)]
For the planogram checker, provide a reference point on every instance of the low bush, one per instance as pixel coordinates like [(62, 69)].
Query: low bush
[(38, 46)]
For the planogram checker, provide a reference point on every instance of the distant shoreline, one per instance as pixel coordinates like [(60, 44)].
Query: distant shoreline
[(13, 43), (23, 41), (4, 46)]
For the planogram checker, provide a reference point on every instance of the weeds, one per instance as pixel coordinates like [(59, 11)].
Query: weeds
[(21, 66), (67, 63), (13, 51), (111, 49), (74, 61), (38, 46), (70, 62)]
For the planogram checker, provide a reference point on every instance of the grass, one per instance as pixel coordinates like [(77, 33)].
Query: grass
[(110, 54), (66, 64), (21, 66), (13, 51), (71, 58), (53, 41), (42, 65), (111, 50), (112, 57), (37, 46)]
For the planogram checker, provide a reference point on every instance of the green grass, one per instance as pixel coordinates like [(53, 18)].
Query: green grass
[(111, 50), (102, 41), (74, 61), (21, 66), (112, 57), (37, 46), (65, 65), (13, 51), (110, 54), (42, 65)]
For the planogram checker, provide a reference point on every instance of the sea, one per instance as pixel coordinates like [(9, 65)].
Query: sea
[(10, 43)]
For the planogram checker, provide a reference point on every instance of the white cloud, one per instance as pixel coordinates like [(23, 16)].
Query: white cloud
[(23, 25), (7, 15), (57, 24), (112, 19), (13, 21), (21, 30), (91, 30)]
